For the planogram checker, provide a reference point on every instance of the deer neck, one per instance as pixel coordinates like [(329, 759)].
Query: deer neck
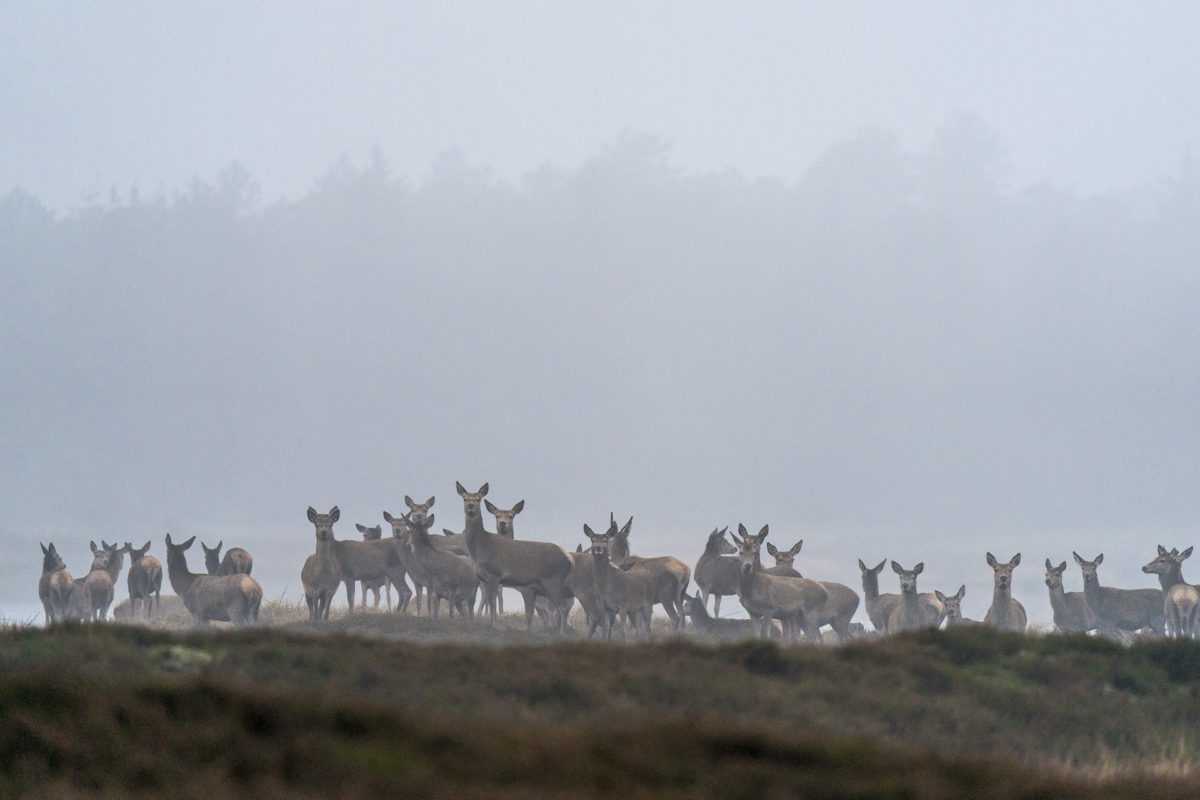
[(911, 603), (1171, 576), (601, 573), (1058, 597), (1000, 600), (475, 535), (178, 573), (871, 585)]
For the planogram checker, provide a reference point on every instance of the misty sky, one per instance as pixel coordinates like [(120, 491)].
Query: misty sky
[(915, 280)]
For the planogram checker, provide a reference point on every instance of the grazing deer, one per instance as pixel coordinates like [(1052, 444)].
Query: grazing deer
[(236, 560), (713, 627), (225, 598), (1120, 609), (717, 569), (1181, 600), (629, 592), (322, 574), (669, 574), (54, 586), (794, 600), (374, 534), (908, 614), (517, 562), (953, 605), (1071, 612), (1005, 612), (145, 579), (842, 601), (450, 576)]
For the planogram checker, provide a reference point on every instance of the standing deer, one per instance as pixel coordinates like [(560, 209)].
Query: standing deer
[(54, 586), (322, 574), (370, 560), (451, 576), (1120, 609), (225, 598), (1005, 612), (1181, 600), (1071, 612), (908, 614), (795, 601), (880, 606), (669, 574), (374, 534), (145, 579), (630, 592), (717, 569), (842, 601), (236, 560), (101, 580), (953, 605), (517, 562), (581, 582)]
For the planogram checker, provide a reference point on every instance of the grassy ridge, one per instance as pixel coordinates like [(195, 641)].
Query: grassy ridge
[(125, 711)]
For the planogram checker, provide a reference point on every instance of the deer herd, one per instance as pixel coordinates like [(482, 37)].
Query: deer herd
[(468, 568)]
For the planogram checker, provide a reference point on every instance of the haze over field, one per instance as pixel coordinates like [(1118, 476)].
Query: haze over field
[(917, 282)]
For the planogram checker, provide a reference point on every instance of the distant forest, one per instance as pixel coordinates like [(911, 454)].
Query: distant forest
[(902, 321)]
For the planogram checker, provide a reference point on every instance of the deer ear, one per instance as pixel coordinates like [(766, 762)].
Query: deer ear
[(1185, 554), (146, 546), (796, 547), (862, 566), (482, 490), (408, 501), (361, 528), (489, 506), (991, 560), (1048, 565), (429, 522), (1100, 559), (45, 552), (312, 514), (429, 502), (939, 595), (1062, 566), (962, 592), (772, 549), (588, 530), (335, 514), (1078, 558), (762, 533), (387, 517), (1162, 551), (518, 507), (1016, 560), (742, 531), (94, 548), (578, 548), (896, 568), (188, 543), (460, 488), (168, 540), (919, 568), (879, 566)]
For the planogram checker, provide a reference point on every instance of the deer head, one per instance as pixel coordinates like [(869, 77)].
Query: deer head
[(51, 560), (504, 517), (322, 522), (717, 543), (785, 558), (1003, 572), (370, 534), (952, 603), (136, 554), (748, 547), (471, 499), (1167, 562), (908, 577), (1054, 574), (1088, 568), (418, 511)]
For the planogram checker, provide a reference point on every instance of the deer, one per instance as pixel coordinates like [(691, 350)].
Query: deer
[(880, 606), (842, 601), (953, 605), (908, 615), (581, 582), (54, 586), (373, 534), (630, 592), (322, 574), (368, 560), (1071, 612), (100, 581), (1120, 609), (795, 600), (451, 576), (1181, 600), (714, 627), (717, 569), (1005, 613), (224, 598), (669, 574), (517, 562), (236, 560), (144, 580)]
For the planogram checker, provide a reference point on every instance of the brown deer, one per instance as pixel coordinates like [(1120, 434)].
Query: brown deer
[(101, 580), (1120, 609), (908, 614), (450, 576), (582, 584), (630, 592), (669, 574), (1071, 612), (717, 569), (236, 560), (1181, 600), (517, 562), (1005, 613), (953, 605), (373, 534), (322, 574), (880, 606), (144, 580), (795, 601), (54, 586), (368, 561), (417, 514), (226, 598), (842, 601)]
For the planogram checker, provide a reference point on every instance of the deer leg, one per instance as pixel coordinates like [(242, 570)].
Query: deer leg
[(350, 596), (717, 605)]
